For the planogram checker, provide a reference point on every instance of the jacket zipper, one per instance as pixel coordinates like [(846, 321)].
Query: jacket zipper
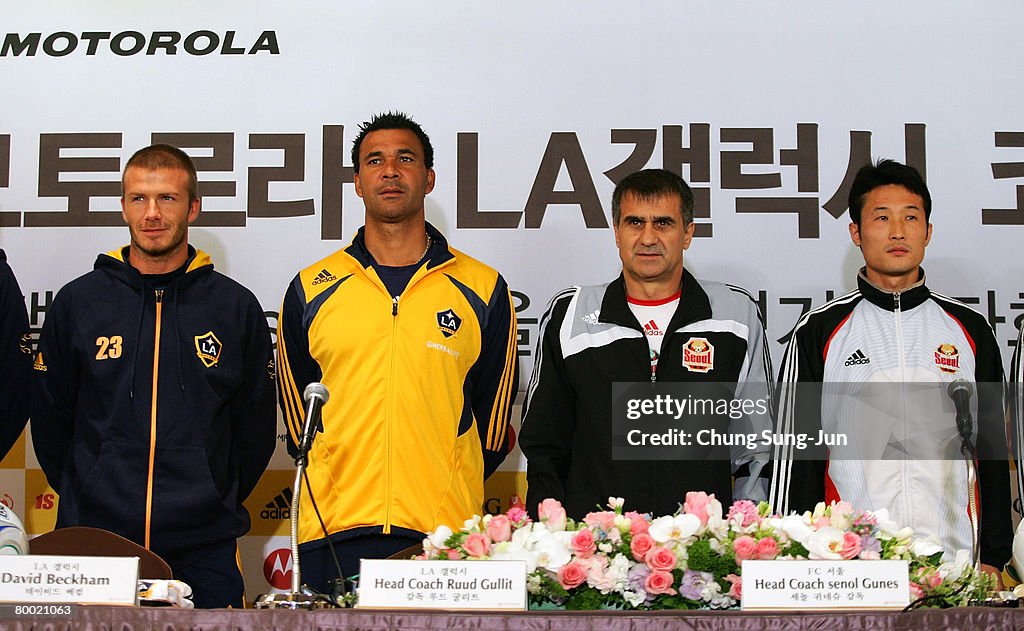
[(390, 417), (898, 313), (152, 414)]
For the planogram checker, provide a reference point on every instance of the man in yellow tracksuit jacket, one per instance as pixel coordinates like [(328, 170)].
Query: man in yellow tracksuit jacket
[(416, 343)]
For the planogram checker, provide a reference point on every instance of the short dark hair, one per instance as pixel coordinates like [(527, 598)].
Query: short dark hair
[(652, 184), (883, 173), (162, 156), (393, 120)]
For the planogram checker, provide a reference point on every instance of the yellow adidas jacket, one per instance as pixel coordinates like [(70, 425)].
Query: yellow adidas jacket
[(421, 388)]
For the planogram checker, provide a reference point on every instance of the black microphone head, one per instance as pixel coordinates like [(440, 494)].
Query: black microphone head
[(316, 389), (960, 387)]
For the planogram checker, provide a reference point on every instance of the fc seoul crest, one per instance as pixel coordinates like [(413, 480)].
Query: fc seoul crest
[(698, 355)]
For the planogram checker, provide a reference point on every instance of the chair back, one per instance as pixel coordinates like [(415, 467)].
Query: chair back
[(96, 542)]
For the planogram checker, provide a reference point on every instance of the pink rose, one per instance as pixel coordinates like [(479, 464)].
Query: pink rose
[(477, 545), (696, 503), (660, 558), (552, 514), (735, 585), (915, 591), (641, 545), (767, 549), (499, 528), (744, 547), (571, 575), (583, 544), (637, 523), (659, 582), (453, 555), (518, 516), (851, 545), (604, 520)]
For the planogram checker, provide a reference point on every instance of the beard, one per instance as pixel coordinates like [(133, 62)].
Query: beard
[(156, 249)]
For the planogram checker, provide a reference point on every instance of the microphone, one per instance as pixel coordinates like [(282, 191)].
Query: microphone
[(315, 395), (961, 391)]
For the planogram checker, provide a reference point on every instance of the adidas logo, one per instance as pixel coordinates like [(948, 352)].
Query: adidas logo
[(591, 318), (324, 277), (280, 507), (858, 357), (651, 329)]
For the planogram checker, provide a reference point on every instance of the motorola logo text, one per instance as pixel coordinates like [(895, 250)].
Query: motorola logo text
[(128, 43)]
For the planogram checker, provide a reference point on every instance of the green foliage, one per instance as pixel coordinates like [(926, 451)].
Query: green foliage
[(703, 559), (587, 599)]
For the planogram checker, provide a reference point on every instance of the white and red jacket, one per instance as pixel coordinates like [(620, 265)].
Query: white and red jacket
[(885, 359)]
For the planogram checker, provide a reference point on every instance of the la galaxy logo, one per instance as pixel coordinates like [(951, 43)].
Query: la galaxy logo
[(698, 355), (448, 321), (208, 348), (947, 358)]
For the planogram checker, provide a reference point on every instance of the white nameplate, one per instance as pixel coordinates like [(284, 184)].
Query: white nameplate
[(825, 585), (394, 584), (39, 578)]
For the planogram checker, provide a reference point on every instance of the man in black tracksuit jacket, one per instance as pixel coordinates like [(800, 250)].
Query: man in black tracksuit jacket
[(15, 359), (153, 414), (693, 331)]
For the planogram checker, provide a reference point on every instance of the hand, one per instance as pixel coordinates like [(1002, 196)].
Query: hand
[(994, 571)]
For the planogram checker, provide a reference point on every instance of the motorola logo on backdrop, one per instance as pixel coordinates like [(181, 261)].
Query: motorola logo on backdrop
[(277, 568), (127, 43)]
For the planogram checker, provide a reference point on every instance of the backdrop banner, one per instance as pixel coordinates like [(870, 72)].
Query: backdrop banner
[(535, 110)]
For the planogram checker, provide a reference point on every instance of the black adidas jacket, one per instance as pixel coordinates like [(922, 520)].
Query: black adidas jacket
[(589, 339)]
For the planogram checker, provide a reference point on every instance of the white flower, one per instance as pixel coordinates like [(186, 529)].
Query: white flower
[(719, 527), (536, 545), (823, 543), (517, 554), (472, 524), (712, 594), (886, 526), (553, 550), (717, 545), (634, 598), (533, 583), (954, 569), (926, 547), (841, 518), (668, 528), (439, 536), (604, 547), (623, 523), (819, 511), (796, 528), (615, 503), (618, 570)]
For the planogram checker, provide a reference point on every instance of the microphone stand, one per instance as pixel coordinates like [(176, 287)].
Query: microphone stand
[(299, 598), (970, 455), (960, 391)]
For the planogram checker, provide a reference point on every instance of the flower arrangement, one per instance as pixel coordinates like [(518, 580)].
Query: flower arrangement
[(692, 559)]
